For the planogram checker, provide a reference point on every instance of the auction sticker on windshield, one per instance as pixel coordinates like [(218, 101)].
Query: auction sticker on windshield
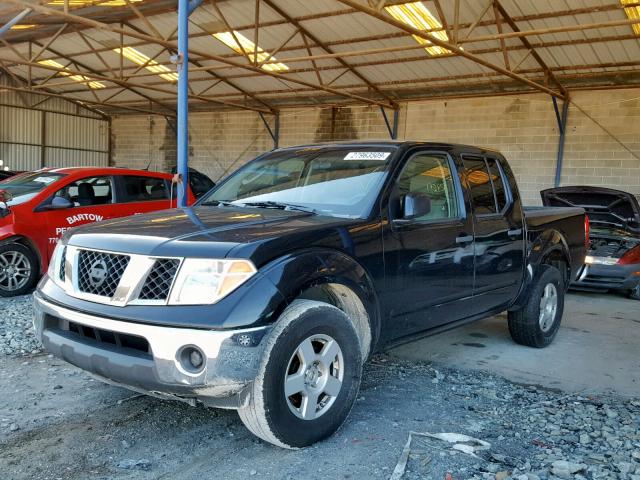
[(367, 155), (45, 180)]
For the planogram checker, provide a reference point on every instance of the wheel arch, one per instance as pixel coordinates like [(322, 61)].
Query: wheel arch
[(27, 242), (548, 248), (335, 278)]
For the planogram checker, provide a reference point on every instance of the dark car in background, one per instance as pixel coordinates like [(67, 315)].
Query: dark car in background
[(4, 174), (613, 257), (198, 181)]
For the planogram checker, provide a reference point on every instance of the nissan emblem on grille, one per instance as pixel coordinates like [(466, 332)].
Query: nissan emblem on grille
[(98, 273)]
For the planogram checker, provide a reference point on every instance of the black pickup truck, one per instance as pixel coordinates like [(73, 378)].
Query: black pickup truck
[(270, 293)]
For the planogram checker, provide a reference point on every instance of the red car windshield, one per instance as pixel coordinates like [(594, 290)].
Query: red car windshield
[(25, 186)]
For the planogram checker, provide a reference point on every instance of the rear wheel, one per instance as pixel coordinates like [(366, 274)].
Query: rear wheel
[(308, 379), (537, 323), (18, 269)]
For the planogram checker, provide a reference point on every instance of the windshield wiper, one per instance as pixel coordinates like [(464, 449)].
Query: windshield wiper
[(218, 203), (281, 206)]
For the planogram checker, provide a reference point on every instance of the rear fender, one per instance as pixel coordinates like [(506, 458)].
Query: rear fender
[(549, 248)]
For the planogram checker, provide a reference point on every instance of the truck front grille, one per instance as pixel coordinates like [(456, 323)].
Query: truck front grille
[(99, 273), (160, 278)]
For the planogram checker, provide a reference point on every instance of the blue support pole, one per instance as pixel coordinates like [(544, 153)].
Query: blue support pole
[(183, 101), (562, 127), (193, 4), (7, 26)]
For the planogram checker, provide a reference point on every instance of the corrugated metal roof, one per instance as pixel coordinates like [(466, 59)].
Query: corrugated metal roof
[(355, 53)]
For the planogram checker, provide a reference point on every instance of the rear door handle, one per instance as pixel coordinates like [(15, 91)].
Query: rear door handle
[(516, 232), (464, 239)]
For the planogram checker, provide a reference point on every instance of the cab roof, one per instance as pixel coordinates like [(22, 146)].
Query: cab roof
[(103, 171), (454, 147)]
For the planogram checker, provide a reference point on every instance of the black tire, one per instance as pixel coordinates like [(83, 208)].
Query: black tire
[(268, 414), (635, 293), (525, 325), (22, 285)]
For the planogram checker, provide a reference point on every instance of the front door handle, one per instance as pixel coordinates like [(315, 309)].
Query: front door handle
[(464, 239), (516, 232)]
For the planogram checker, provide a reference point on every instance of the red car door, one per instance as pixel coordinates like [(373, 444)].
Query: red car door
[(90, 199)]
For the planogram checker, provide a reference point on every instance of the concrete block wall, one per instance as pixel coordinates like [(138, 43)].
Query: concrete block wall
[(523, 128)]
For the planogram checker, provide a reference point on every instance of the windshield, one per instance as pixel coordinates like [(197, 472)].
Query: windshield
[(340, 182), (25, 186)]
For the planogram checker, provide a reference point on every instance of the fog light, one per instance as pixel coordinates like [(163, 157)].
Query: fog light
[(195, 357), (191, 359)]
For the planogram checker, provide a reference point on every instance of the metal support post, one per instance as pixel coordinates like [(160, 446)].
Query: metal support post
[(183, 101), (562, 128)]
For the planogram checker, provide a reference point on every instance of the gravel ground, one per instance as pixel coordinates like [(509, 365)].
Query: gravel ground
[(57, 422), (16, 330)]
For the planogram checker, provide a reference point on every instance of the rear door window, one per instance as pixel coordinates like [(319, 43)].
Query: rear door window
[(143, 189)]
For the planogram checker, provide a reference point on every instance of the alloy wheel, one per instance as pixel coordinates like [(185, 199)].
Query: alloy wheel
[(314, 376), (15, 270), (548, 307)]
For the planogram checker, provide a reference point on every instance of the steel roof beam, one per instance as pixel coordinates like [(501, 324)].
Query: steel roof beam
[(502, 11), (199, 67), (94, 72), (539, 16), (203, 54), (453, 48), (21, 91), (7, 26), (327, 49), (123, 83)]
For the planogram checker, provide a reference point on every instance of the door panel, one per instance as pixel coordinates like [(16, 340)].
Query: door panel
[(92, 198), (499, 234), (428, 260)]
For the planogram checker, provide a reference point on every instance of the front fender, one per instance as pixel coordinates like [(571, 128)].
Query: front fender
[(298, 271)]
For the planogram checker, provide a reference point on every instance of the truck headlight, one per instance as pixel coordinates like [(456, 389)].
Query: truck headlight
[(201, 281), (54, 264)]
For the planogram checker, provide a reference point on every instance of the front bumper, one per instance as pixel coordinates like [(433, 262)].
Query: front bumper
[(147, 358), (608, 277)]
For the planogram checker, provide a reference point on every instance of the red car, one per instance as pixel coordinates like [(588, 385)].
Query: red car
[(36, 208)]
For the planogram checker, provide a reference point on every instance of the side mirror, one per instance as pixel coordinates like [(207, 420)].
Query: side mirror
[(415, 205), (59, 203), (5, 196)]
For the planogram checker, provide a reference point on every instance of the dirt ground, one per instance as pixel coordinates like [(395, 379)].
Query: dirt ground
[(56, 422)]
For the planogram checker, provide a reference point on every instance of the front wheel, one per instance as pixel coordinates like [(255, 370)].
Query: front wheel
[(308, 379), (635, 292), (537, 323), (18, 269)]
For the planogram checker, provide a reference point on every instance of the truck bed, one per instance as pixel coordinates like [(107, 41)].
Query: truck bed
[(568, 221)]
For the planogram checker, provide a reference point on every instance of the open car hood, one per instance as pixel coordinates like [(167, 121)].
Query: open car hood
[(605, 207)]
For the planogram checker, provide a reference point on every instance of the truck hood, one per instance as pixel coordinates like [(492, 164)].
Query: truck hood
[(605, 207), (203, 231)]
